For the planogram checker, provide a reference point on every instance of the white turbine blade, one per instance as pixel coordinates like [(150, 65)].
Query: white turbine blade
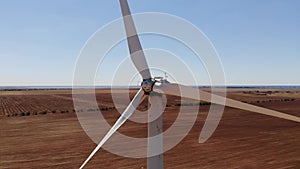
[(189, 92), (138, 98), (135, 48)]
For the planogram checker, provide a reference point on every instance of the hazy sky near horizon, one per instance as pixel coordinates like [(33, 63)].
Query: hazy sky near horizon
[(258, 41)]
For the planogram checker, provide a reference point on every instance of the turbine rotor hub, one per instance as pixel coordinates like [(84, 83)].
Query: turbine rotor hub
[(147, 85)]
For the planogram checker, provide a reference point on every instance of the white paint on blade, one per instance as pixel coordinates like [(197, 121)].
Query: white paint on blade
[(125, 115)]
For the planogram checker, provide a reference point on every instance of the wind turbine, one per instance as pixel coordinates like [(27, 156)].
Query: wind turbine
[(149, 88)]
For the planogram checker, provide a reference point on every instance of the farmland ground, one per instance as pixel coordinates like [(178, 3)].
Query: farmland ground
[(56, 140)]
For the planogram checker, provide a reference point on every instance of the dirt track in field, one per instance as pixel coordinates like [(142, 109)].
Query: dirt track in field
[(56, 140)]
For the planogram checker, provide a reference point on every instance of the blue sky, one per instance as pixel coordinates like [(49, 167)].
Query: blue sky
[(258, 41)]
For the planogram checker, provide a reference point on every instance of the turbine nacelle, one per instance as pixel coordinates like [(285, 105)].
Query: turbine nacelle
[(147, 84)]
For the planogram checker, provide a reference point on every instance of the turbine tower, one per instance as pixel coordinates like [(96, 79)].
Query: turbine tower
[(148, 88)]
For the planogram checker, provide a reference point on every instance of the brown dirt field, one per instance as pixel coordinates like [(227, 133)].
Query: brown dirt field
[(56, 140)]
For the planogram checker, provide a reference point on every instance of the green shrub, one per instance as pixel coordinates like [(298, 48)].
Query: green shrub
[(90, 109), (205, 103), (64, 111), (43, 112), (104, 108)]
